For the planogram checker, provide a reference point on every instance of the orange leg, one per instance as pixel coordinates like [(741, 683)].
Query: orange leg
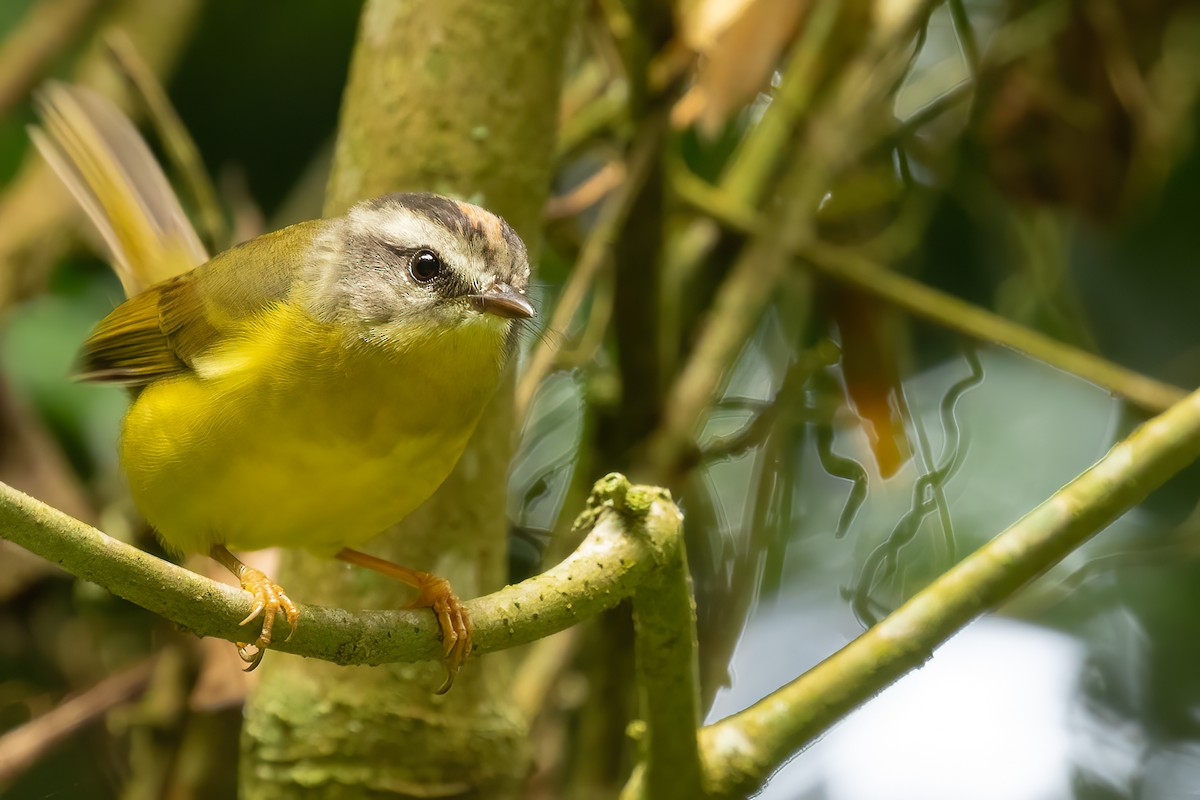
[(269, 601), (435, 593)]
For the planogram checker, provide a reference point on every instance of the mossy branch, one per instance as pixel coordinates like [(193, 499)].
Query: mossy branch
[(631, 531)]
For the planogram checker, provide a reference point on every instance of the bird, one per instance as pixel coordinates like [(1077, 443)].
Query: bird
[(305, 389)]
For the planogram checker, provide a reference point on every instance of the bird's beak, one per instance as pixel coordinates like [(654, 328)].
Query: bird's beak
[(504, 301)]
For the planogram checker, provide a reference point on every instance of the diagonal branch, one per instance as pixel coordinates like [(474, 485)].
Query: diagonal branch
[(20, 748), (593, 258), (28, 52), (856, 269), (917, 298), (742, 750)]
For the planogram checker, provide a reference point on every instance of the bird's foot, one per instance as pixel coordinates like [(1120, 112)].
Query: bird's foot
[(452, 616), (435, 593), (270, 600)]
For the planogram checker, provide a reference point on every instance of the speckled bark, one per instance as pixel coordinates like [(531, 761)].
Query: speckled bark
[(458, 97)]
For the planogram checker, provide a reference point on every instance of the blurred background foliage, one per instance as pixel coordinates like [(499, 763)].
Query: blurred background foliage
[(1033, 157)]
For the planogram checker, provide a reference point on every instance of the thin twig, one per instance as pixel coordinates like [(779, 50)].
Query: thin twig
[(758, 158), (735, 311), (598, 116), (966, 36), (742, 750), (587, 193), (747, 288), (789, 396), (851, 267), (926, 114), (591, 339)]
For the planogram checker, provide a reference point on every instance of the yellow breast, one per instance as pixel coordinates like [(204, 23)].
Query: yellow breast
[(289, 434)]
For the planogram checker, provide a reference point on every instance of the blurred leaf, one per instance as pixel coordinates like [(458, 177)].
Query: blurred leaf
[(740, 56), (39, 343)]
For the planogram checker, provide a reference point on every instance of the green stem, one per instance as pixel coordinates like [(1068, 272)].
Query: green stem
[(758, 158), (966, 36), (786, 228), (736, 310), (593, 258)]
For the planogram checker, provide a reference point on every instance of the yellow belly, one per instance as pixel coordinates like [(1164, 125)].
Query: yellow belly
[(275, 444)]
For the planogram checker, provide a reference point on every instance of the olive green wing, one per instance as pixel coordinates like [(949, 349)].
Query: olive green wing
[(143, 339), (162, 331)]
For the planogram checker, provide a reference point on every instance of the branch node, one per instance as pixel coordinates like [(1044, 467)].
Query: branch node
[(637, 507)]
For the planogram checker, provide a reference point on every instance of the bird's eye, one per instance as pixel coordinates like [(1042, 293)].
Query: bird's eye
[(424, 266)]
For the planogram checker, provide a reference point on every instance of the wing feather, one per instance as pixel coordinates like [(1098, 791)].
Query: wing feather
[(132, 346), (165, 329)]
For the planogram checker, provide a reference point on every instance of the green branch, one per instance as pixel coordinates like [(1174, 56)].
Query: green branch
[(634, 541), (756, 162), (632, 530), (824, 146), (742, 750)]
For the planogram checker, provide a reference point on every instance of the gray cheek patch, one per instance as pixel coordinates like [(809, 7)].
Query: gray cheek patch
[(350, 281), (372, 302)]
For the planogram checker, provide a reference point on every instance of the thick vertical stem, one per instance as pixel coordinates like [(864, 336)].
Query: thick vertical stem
[(668, 675), (456, 97)]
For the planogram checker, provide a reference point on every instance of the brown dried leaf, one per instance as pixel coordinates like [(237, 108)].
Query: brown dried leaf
[(739, 62), (701, 22)]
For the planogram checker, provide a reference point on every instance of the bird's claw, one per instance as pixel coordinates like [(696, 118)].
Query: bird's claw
[(454, 620), (269, 601)]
